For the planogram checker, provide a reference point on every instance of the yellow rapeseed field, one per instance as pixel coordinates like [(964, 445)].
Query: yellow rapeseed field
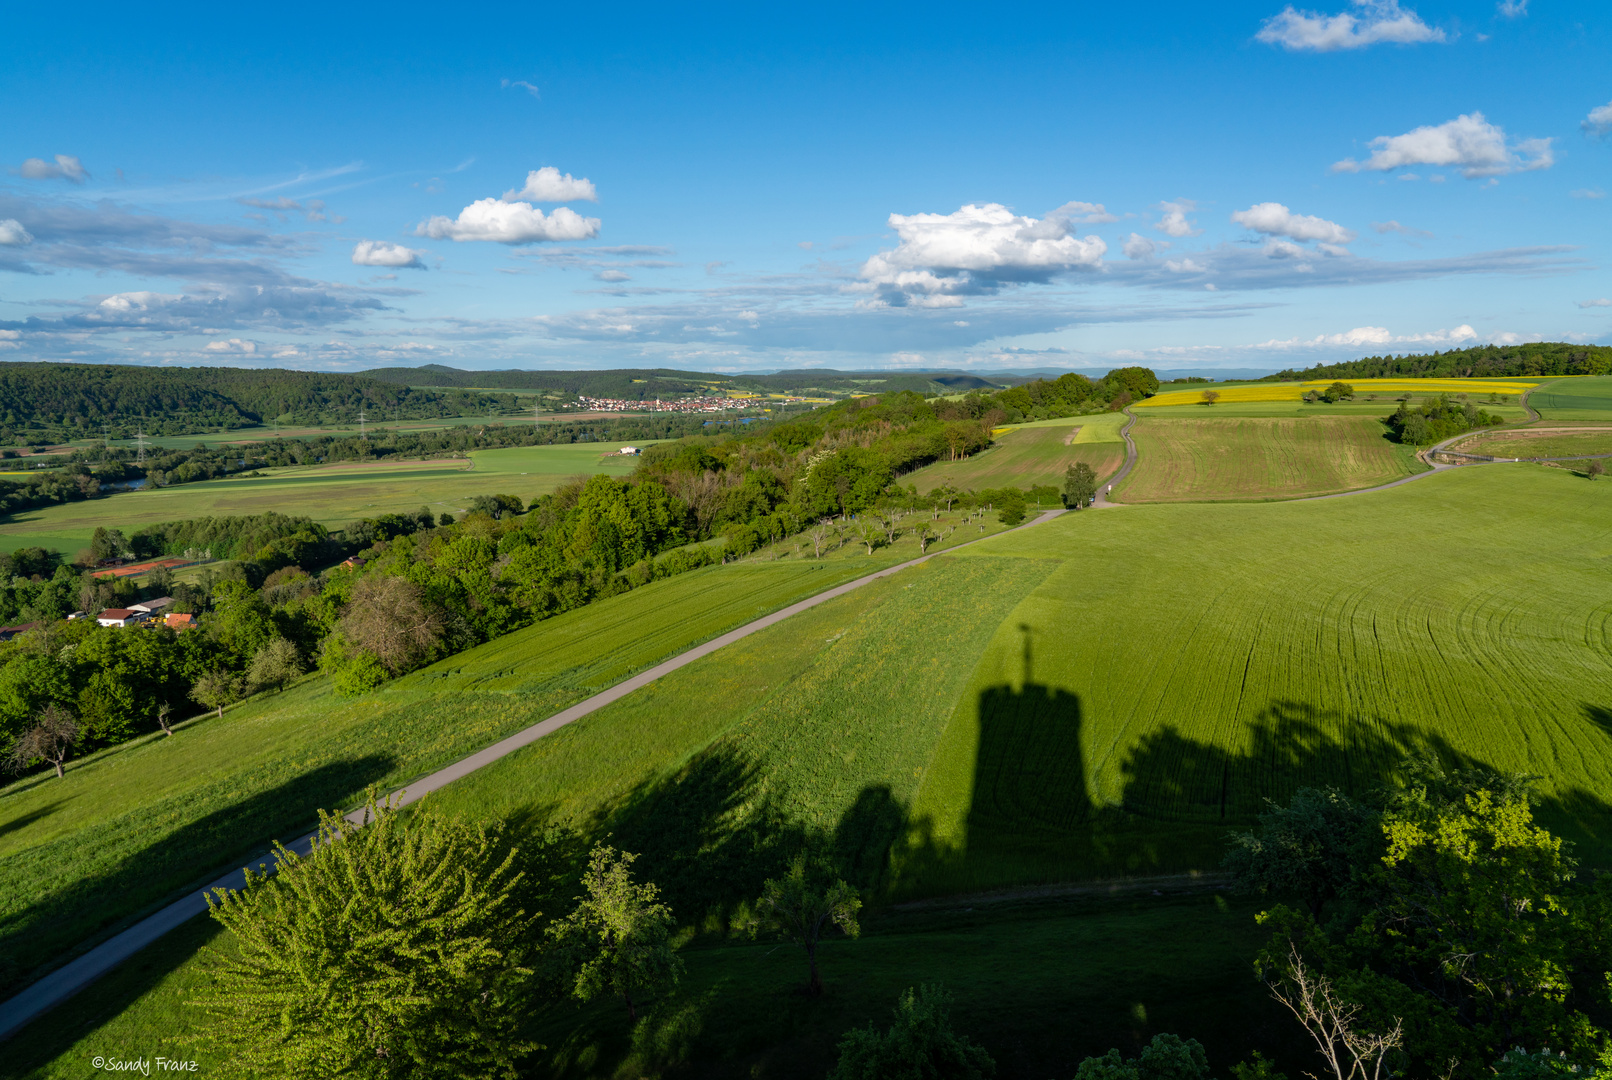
[(1295, 391)]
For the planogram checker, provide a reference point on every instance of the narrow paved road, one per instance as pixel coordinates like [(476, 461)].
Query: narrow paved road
[(1125, 469), (74, 976)]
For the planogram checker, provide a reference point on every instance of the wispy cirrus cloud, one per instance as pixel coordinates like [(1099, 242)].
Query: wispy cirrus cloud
[(1370, 22), (311, 209)]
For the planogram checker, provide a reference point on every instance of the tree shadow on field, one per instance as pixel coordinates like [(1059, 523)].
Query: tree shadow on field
[(49, 931)]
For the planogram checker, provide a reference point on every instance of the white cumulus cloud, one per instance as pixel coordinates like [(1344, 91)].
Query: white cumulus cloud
[(1469, 143), (973, 250), (547, 185), (1173, 220), (1599, 122), (1376, 335), (1274, 219), (1513, 9), (12, 234), (510, 223), (384, 253), (233, 345), (66, 167), (1602, 302), (1378, 22)]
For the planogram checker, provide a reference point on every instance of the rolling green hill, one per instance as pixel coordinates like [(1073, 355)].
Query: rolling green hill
[(1574, 399), (1033, 454), (53, 402), (1102, 695), (1199, 458)]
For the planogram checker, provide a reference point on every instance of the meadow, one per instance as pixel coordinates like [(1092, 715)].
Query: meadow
[(332, 495), (993, 721), (1202, 458), (1029, 455), (1574, 399), (130, 826), (1540, 442), (738, 1013)]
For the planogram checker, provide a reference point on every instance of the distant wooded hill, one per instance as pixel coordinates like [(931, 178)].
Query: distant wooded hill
[(647, 384), (1534, 358), (62, 401)]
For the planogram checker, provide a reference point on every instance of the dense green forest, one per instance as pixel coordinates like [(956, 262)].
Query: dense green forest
[(1534, 358), (55, 402)]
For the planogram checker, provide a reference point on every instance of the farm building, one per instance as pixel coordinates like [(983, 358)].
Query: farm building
[(117, 616), (632, 450), (178, 621), (151, 607), (9, 632), (354, 563)]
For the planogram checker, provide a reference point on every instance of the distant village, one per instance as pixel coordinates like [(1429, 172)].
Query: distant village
[(682, 405)]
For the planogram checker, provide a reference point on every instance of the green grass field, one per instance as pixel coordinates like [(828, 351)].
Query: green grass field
[(1102, 695), (738, 1013), (132, 825), (1209, 458), (1574, 399), (1364, 405), (1031, 454), (1539, 441), (332, 495)]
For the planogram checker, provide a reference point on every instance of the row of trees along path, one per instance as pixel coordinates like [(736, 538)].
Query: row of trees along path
[(84, 969)]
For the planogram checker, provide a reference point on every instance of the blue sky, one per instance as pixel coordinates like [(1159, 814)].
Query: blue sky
[(1236, 185)]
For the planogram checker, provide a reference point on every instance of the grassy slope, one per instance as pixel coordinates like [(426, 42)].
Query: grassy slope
[(1031, 454), (737, 1012), (1384, 404), (1202, 458), (131, 825), (1540, 442), (1288, 644), (1102, 694), (1574, 399), (330, 494)]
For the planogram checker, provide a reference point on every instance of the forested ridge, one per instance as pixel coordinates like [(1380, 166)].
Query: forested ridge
[(55, 402), (1533, 358), (647, 384)]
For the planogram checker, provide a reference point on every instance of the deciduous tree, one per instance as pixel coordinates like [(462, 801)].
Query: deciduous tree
[(390, 618), (392, 950), (1079, 485), (619, 938), (802, 905), (50, 739), (275, 664), (920, 1045), (216, 689)]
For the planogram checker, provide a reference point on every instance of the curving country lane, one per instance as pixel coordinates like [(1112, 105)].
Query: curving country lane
[(69, 979)]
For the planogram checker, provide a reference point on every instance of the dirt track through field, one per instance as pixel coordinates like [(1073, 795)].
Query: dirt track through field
[(80, 972)]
